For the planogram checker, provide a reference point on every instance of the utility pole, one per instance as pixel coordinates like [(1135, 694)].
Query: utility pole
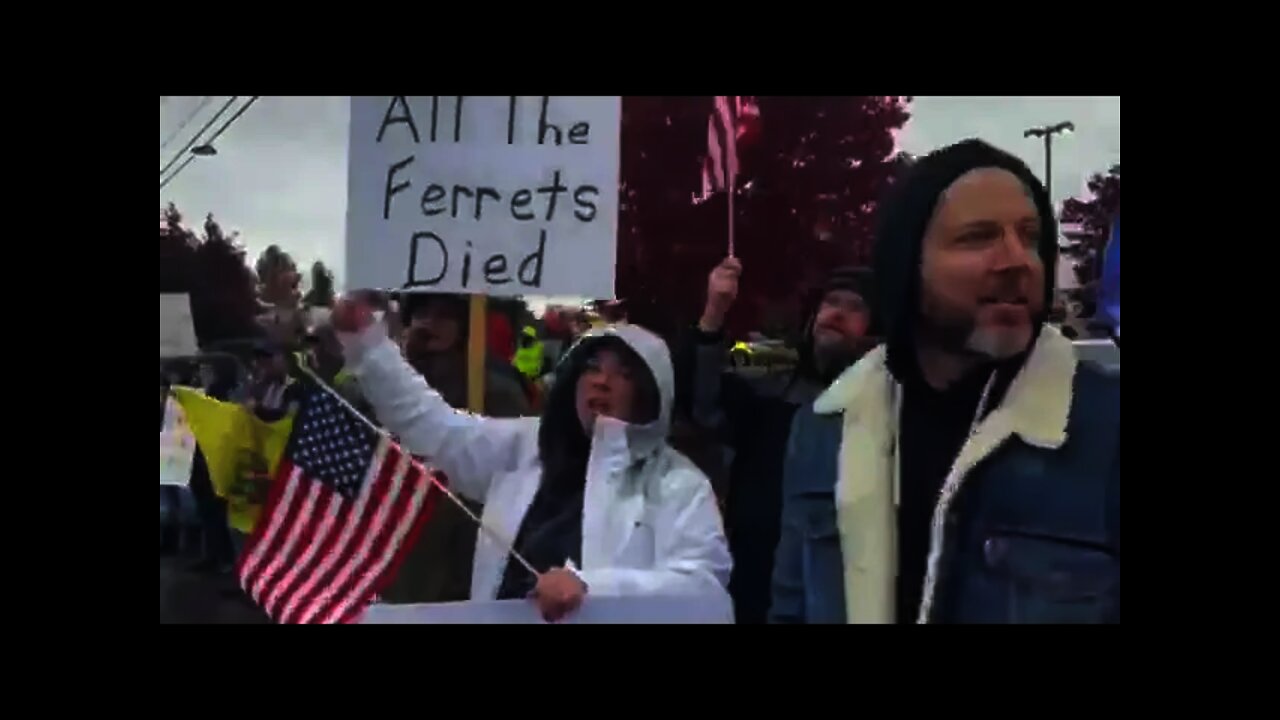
[(1047, 132)]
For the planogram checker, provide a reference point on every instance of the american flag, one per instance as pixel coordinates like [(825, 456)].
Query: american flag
[(345, 506), (724, 127)]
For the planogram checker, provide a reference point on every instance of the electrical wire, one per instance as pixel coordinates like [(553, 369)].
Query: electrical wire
[(186, 121), (196, 137), (169, 179), (210, 140), (233, 118)]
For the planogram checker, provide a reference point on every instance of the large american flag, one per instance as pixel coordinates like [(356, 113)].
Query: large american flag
[(345, 506), (724, 127)]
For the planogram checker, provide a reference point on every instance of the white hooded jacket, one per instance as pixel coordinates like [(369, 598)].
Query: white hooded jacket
[(650, 524)]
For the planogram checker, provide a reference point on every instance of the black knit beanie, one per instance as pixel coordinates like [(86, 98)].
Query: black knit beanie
[(855, 279)]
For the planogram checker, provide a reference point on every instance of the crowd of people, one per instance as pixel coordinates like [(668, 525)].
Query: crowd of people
[(937, 453)]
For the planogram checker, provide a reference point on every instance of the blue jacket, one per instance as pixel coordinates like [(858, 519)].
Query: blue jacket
[(1031, 530), (808, 585)]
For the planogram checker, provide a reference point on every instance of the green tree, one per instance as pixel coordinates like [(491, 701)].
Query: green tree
[(278, 278), (212, 270), (1093, 216), (320, 293)]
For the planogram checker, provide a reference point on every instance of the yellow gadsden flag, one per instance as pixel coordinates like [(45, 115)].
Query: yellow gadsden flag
[(242, 452)]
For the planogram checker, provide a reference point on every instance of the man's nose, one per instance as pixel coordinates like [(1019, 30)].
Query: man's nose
[(1012, 252)]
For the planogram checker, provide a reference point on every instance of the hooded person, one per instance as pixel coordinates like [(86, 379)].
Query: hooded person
[(590, 493), (752, 417), (978, 477)]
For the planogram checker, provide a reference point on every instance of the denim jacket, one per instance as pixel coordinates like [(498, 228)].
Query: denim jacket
[(808, 583), (1030, 529)]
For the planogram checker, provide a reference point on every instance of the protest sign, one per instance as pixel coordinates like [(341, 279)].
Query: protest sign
[(603, 610), (177, 446), (177, 332), (487, 195)]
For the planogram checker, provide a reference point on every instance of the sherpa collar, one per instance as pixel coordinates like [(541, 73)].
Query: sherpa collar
[(1035, 407)]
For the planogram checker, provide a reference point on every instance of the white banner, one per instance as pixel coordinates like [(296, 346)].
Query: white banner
[(177, 446), (484, 194), (594, 611), (177, 332)]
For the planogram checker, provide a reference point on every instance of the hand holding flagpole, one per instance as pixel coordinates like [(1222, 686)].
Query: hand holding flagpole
[(731, 194)]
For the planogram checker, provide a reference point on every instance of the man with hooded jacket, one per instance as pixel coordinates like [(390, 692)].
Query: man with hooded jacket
[(975, 463), (753, 418)]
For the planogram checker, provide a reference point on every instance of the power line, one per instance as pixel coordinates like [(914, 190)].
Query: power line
[(169, 179), (182, 125), (221, 130), (195, 137), (233, 118)]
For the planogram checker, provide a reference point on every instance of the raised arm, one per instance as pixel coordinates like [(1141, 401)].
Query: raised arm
[(470, 449), (714, 404)]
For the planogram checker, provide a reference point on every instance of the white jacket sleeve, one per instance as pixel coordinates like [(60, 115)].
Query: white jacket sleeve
[(691, 553), (470, 449)]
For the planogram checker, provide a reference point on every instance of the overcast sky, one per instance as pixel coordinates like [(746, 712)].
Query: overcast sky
[(280, 173)]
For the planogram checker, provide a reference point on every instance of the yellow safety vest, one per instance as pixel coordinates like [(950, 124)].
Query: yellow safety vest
[(528, 360)]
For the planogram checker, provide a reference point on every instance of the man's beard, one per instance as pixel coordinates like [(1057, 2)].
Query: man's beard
[(833, 357), (999, 343), (958, 333)]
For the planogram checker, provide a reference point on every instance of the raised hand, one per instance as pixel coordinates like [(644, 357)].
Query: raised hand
[(722, 291), (352, 313)]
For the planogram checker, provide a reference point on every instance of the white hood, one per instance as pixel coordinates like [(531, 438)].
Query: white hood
[(642, 439), (649, 528)]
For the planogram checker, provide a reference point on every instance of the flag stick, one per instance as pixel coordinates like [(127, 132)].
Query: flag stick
[(731, 194), (476, 342), (502, 542)]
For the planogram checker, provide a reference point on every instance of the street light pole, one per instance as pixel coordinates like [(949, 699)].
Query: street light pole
[(1047, 132)]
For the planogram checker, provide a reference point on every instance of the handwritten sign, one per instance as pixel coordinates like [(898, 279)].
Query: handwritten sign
[(177, 332), (177, 446), (484, 194), (594, 611)]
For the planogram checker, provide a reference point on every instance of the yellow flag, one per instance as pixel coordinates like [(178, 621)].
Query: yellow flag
[(242, 452)]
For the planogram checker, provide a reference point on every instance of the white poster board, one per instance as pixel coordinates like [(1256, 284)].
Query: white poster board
[(177, 331), (177, 446), (484, 194), (594, 611)]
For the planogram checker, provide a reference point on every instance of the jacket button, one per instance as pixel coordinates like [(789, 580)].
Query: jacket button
[(993, 550)]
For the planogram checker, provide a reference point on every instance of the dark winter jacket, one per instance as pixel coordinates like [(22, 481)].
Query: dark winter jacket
[(753, 419)]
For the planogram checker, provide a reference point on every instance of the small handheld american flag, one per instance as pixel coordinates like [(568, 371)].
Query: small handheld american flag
[(345, 506), (720, 166), (725, 127)]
